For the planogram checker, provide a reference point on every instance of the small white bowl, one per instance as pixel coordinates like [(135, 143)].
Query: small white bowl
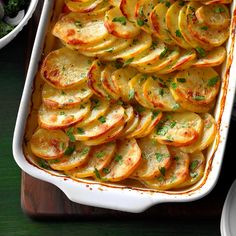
[(10, 36)]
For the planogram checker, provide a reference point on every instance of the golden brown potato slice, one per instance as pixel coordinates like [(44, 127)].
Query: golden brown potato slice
[(196, 169), (113, 117), (65, 68), (213, 58), (175, 175), (143, 10), (172, 16), (207, 136), (127, 158), (99, 157), (82, 6), (101, 8), (121, 78), (94, 79), (157, 93), (115, 3), (62, 118), (158, 20), (198, 86), (79, 29), (212, 37), (214, 15), (74, 156), (130, 126), (108, 84), (138, 45), (127, 8), (58, 98), (178, 129), (155, 157), (118, 25), (129, 112), (136, 90), (49, 144)]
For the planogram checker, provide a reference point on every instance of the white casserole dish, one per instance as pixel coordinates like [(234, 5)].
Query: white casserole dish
[(125, 198)]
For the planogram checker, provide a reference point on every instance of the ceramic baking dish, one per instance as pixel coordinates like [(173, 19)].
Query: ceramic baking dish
[(112, 196)]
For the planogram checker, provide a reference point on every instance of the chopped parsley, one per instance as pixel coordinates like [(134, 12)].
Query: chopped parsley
[(102, 119), (193, 165), (85, 151), (120, 19), (201, 52), (161, 92), (173, 85), (131, 94), (69, 150), (164, 53), (213, 81), (78, 23), (181, 80), (97, 174), (163, 171), (43, 163), (155, 114), (118, 158), (126, 63), (100, 154), (162, 130), (199, 98), (172, 124), (140, 22), (204, 28), (178, 33), (106, 170), (219, 10), (159, 156), (80, 130), (70, 134)]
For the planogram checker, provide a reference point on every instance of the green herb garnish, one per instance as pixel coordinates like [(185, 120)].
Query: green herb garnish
[(120, 19), (213, 81), (70, 134), (102, 119), (69, 150)]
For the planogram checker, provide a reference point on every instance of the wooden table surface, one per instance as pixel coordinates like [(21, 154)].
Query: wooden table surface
[(14, 222)]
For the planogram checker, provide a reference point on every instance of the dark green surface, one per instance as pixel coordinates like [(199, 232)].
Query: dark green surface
[(12, 219)]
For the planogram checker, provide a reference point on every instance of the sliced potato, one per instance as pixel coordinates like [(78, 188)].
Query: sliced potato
[(172, 16), (74, 156), (127, 158), (98, 108), (64, 68), (185, 60), (100, 156), (158, 20), (213, 58), (129, 112), (138, 45), (62, 118), (198, 86), (119, 26), (178, 129), (101, 8), (196, 169), (136, 90), (49, 144), (82, 6), (78, 29), (142, 13), (107, 82), (157, 93), (113, 117), (94, 79), (121, 78), (212, 37), (155, 157), (115, 3), (207, 136), (214, 15), (175, 175), (127, 8), (57, 98), (130, 126)]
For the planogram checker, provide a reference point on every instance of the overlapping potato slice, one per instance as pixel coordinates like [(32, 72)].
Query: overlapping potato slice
[(127, 8), (167, 57), (130, 126), (98, 108), (198, 86), (158, 20), (214, 15), (118, 25), (136, 90), (101, 8), (74, 156), (175, 175), (207, 136), (62, 118), (77, 29), (113, 117), (212, 37), (196, 169), (178, 129), (213, 58), (138, 45), (115, 3), (94, 79), (99, 157), (58, 98), (129, 112), (172, 16), (142, 13), (127, 158), (65, 68), (121, 78), (185, 60), (157, 93), (49, 144), (155, 158), (107, 82), (82, 6)]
